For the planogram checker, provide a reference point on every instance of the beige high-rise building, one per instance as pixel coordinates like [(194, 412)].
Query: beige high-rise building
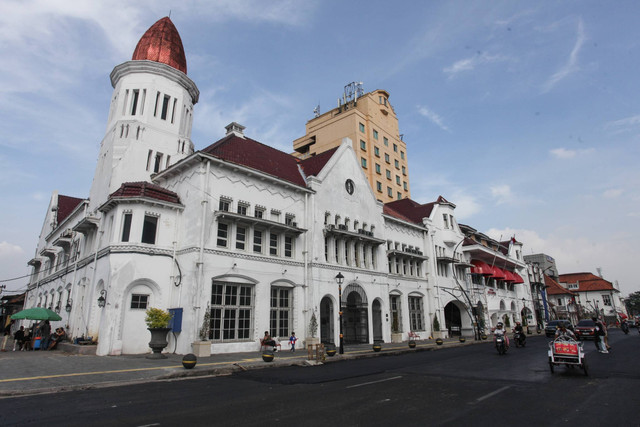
[(371, 123)]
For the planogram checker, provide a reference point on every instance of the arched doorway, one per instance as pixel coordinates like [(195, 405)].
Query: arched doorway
[(326, 321), (376, 319), (356, 315), (452, 319), (135, 301)]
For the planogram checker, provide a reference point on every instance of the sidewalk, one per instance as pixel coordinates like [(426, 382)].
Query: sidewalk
[(31, 372)]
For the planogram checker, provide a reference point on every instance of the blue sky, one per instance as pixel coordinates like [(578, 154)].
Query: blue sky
[(526, 115)]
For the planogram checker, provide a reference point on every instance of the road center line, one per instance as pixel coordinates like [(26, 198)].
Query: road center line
[(493, 393), (374, 382)]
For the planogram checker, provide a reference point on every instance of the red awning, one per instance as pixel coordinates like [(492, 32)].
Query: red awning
[(498, 273), (481, 267), (509, 276), (518, 278)]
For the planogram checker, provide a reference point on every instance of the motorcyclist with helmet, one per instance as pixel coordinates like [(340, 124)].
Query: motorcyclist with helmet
[(499, 331)]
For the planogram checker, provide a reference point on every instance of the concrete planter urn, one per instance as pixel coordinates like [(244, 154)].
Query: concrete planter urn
[(158, 342), (201, 348), (267, 356), (396, 337), (412, 344)]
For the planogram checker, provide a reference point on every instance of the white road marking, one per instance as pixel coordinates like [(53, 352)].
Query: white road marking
[(493, 393), (374, 382)]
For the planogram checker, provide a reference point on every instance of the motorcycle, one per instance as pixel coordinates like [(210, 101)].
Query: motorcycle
[(501, 345), (520, 339), (625, 327)]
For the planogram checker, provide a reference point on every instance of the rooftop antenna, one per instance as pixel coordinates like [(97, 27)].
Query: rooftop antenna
[(353, 91), (169, 13), (316, 111), (599, 270)]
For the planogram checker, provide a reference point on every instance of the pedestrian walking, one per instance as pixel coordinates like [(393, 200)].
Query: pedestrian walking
[(18, 339), (45, 331), (292, 341), (599, 336), (7, 334)]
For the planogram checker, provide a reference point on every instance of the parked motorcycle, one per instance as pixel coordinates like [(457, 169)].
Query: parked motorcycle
[(501, 345), (520, 339)]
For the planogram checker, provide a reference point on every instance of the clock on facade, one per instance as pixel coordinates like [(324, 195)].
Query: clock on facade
[(349, 186)]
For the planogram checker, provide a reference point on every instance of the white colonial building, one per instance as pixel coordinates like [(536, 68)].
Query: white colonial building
[(253, 236)]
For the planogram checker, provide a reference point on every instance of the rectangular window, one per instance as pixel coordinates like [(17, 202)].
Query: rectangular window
[(231, 312), (379, 186), (404, 185), (404, 171), (398, 179), (361, 128), (376, 151), (139, 301), (273, 244), (378, 170), (606, 300), (126, 227), (257, 241), (281, 312), (149, 229), (165, 107), (173, 110), (134, 101), (416, 313), (288, 219), (389, 192), (386, 158), (242, 209), (158, 163), (388, 174), (241, 238), (223, 205), (399, 195), (124, 104), (445, 217), (395, 148), (397, 164), (402, 155), (363, 145), (363, 162), (155, 108), (149, 157), (386, 141), (288, 246), (223, 234), (259, 213), (375, 134)]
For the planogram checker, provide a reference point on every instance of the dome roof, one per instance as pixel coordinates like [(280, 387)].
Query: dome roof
[(162, 43)]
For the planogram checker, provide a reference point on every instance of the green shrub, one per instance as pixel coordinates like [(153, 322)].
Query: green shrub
[(157, 318)]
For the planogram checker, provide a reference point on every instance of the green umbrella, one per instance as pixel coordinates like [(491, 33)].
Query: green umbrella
[(36, 313)]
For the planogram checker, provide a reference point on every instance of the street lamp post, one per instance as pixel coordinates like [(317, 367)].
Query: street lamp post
[(340, 280)]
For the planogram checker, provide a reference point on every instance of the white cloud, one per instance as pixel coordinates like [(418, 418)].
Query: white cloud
[(471, 63), (563, 153), (466, 205), (613, 193), (433, 117), (502, 193), (9, 250), (571, 64)]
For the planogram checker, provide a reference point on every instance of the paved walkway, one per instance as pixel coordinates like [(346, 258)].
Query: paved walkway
[(28, 372)]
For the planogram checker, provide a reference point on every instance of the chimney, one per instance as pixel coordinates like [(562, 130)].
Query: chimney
[(236, 129)]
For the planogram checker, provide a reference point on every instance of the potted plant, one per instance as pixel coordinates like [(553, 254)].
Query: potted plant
[(437, 333), (396, 335), (157, 321), (312, 330), (202, 348)]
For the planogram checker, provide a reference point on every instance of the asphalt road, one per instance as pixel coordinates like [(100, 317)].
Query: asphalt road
[(469, 385)]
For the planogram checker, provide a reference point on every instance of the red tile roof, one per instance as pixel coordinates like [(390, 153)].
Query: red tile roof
[(386, 209), (162, 43), (587, 282), (145, 189), (66, 205), (411, 210), (313, 165), (554, 288), (248, 152)]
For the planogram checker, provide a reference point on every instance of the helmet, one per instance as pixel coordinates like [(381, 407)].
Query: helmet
[(499, 324)]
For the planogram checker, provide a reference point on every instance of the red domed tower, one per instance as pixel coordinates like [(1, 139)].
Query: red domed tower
[(149, 125)]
